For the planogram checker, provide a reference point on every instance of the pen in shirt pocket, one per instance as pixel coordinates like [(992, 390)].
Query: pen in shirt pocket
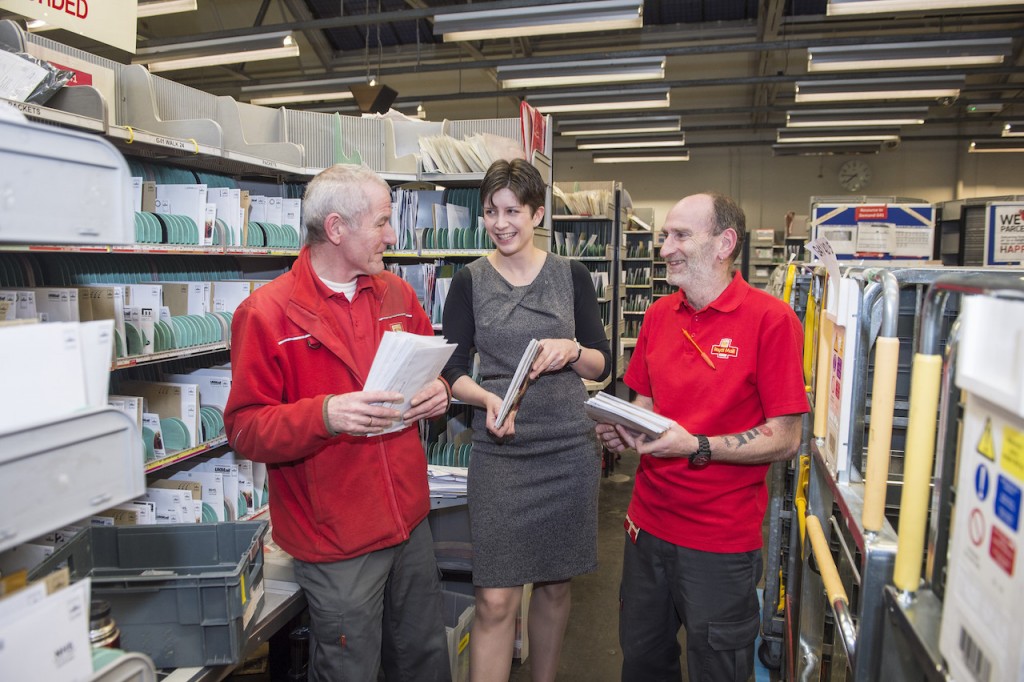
[(699, 349)]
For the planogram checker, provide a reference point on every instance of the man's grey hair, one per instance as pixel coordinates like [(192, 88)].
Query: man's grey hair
[(339, 189), (726, 213)]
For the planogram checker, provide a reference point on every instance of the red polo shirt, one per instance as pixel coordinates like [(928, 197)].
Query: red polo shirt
[(756, 344)]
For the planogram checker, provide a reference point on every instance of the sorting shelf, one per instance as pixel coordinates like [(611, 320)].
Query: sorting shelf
[(181, 456), (163, 356), (65, 470)]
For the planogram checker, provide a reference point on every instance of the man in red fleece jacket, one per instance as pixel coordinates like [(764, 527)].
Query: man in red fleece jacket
[(348, 502)]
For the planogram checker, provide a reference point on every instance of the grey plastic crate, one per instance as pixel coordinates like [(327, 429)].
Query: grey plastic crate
[(453, 546), (184, 595)]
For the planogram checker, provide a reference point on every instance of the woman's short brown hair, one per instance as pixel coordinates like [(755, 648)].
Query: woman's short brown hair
[(518, 176)]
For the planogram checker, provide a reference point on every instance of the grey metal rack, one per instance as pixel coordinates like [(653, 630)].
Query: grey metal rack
[(866, 560), (912, 627), (782, 550)]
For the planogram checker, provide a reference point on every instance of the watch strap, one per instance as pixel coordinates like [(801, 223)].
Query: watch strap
[(579, 352), (702, 455)]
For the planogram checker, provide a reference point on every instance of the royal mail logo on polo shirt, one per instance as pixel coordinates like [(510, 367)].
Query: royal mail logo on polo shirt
[(397, 327), (724, 349)]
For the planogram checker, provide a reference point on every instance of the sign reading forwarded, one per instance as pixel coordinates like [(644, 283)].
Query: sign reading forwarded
[(108, 21)]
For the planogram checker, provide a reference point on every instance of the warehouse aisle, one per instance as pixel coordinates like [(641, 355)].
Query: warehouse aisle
[(591, 648)]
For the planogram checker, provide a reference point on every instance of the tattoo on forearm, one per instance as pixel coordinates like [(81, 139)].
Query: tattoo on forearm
[(738, 440)]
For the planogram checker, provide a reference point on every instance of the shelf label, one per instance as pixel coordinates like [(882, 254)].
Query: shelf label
[(27, 109), (171, 142)]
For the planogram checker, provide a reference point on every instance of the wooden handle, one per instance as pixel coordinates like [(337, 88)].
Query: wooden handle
[(918, 460), (810, 337), (821, 380), (826, 564), (800, 496), (787, 288), (883, 400)]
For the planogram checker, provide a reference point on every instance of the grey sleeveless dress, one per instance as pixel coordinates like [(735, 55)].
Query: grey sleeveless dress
[(533, 498)]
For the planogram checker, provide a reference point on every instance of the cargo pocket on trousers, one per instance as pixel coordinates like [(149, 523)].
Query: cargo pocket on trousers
[(734, 635), (327, 628)]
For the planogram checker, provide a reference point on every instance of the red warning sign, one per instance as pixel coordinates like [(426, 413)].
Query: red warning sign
[(1002, 550), (871, 212), (976, 527)]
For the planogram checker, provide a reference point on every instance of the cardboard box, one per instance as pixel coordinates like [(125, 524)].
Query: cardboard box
[(459, 613), (521, 646)]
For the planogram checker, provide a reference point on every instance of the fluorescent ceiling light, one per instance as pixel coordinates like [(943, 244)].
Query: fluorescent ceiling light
[(300, 98), (640, 156), (979, 146), (923, 87), (577, 17), (844, 7), (614, 126), (582, 71), (177, 56), (984, 108), (599, 100), (854, 118), (937, 53), (152, 9), (298, 92), (1014, 129), (347, 109), (632, 142), (804, 135), (322, 84), (825, 149)]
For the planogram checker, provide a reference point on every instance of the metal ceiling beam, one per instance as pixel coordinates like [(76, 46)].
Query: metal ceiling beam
[(416, 13), (473, 50), (679, 51), (300, 10), (769, 18), (732, 81), (348, 21), (766, 141)]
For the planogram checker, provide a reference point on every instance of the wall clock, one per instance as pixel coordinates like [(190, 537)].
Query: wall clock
[(854, 175)]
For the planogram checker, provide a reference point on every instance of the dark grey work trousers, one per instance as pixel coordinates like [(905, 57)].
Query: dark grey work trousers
[(714, 596), (380, 610)]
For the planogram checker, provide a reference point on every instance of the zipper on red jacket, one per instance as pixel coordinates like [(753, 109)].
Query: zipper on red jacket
[(392, 499)]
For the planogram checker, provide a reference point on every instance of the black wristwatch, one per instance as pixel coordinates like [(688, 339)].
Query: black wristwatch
[(702, 455), (579, 352)]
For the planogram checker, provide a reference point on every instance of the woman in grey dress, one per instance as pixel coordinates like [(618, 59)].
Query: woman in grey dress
[(532, 481)]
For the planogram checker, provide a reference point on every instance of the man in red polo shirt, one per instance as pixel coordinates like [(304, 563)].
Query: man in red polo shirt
[(348, 501), (723, 360)]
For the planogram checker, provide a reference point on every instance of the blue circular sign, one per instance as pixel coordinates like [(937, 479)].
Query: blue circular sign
[(981, 482)]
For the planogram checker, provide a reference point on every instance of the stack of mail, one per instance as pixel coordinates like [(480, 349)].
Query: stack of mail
[(520, 382), (447, 481), (406, 363), (608, 409)]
